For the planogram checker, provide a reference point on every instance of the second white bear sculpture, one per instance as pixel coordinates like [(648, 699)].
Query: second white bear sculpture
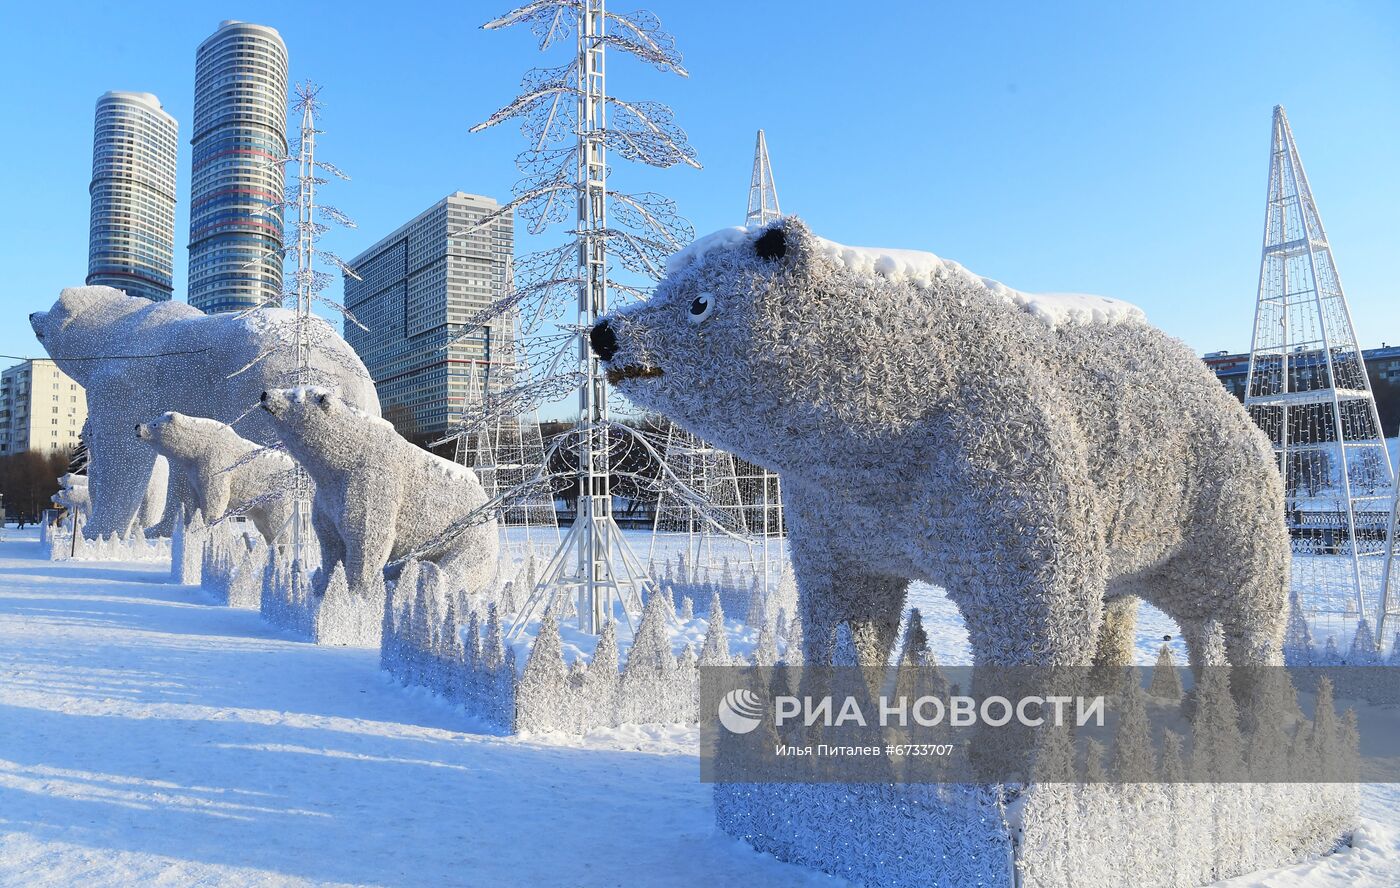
[(1035, 456), (220, 470), (387, 497), (138, 358)]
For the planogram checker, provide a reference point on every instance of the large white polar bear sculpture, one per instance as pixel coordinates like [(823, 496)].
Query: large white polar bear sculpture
[(222, 471), (388, 498), (138, 359), (1035, 456)]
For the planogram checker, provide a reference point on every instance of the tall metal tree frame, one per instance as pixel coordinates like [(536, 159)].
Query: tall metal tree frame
[(305, 286), (1308, 390), (594, 563)]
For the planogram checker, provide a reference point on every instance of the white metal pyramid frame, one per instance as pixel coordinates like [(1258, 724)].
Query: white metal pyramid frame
[(767, 500), (1308, 390), (763, 191)]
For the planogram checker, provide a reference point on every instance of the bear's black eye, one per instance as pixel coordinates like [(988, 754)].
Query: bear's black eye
[(701, 307), (772, 245)]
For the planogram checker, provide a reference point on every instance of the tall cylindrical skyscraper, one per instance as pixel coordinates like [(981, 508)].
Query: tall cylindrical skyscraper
[(131, 232), (239, 137)]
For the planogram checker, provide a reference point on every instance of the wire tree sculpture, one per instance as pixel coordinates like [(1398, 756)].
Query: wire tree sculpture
[(306, 220), (305, 285), (571, 123)]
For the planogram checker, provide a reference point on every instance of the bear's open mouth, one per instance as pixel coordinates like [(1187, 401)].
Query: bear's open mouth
[(632, 371)]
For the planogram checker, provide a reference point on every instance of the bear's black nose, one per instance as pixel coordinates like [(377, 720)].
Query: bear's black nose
[(264, 397), (603, 340)]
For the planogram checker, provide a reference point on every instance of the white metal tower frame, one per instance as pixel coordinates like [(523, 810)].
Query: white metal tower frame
[(307, 284), (763, 209), (300, 518), (1275, 344), (763, 191), (594, 561), (571, 122)]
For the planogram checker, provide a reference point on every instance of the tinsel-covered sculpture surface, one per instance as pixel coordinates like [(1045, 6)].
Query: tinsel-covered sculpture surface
[(387, 497), (222, 471), (1036, 456), (138, 359)]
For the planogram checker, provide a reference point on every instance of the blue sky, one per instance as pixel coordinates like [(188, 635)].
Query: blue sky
[(1114, 148)]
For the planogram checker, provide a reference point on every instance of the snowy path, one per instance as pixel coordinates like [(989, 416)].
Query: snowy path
[(147, 737)]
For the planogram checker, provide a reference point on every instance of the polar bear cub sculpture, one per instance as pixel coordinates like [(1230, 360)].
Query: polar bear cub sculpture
[(387, 497), (221, 470), (138, 358), (1035, 456)]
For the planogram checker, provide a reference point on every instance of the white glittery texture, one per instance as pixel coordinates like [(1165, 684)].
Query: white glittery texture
[(383, 496), (929, 424), (138, 359)]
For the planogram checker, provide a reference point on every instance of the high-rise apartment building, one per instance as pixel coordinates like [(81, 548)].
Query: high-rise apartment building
[(41, 408), (239, 138), (131, 229), (416, 291)]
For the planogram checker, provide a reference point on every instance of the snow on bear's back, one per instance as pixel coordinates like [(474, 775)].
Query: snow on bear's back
[(927, 270)]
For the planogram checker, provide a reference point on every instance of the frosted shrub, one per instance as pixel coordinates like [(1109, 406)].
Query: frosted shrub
[(233, 565), (342, 618), (287, 599), (422, 644), (1166, 682), (187, 548)]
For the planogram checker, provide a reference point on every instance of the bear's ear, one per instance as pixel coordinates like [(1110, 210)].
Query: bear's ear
[(324, 399), (772, 244)]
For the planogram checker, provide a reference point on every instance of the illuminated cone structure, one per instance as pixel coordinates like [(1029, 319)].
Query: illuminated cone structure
[(1309, 392)]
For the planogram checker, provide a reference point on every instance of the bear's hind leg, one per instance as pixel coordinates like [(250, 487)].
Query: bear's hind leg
[(876, 606)]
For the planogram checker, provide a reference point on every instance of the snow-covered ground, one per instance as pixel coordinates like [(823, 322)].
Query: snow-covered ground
[(148, 737)]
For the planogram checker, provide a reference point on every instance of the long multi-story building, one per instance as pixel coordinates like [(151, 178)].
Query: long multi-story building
[(417, 288), (1232, 368), (41, 408), (131, 229), (239, 139)]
